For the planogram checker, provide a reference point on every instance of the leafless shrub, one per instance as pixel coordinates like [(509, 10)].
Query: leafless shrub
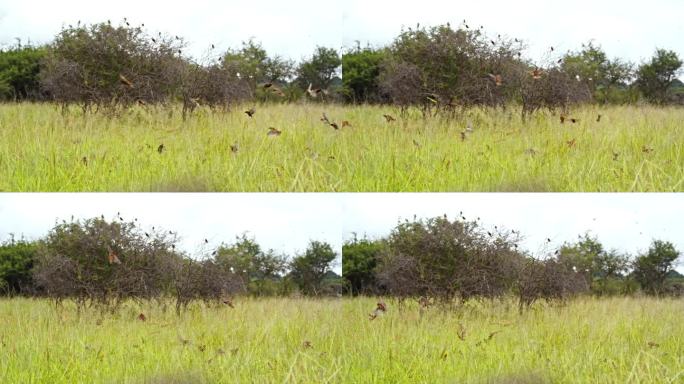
[(552, 89), (212, 86), (402, 82), (204, 280), (548, 280)]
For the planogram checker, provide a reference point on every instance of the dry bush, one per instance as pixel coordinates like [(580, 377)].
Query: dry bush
[(74, 262), (548, 280), (212, 86), (553, 89), (446, 260), (204, 280), (105, 66)]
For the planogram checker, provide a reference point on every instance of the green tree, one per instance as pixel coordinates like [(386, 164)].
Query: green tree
[(19, 69), (655, 77), (360, 74), (254, 64), (359, 259), (310, 269), (259, 271), (16, 264), (602, 270), (604, 77), (320, 70), (652, 268)]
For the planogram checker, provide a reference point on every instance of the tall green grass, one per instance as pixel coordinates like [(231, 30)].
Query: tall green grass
[(630, 149), (619, 340)]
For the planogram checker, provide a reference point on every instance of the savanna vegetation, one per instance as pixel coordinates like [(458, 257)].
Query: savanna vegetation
[(439, 109), (436, 300)]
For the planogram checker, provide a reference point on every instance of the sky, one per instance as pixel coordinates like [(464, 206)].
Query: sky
[(291, 29), (625, 222), (629, 29), (282, 222), (286, 222)]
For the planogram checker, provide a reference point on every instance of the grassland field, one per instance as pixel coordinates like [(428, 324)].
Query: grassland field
[(589, 340), (631, 149)]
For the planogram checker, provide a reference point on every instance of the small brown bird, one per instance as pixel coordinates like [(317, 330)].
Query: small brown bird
[(267, 85), (142, 317), (571, 143), (84, 160), (307, 344), (574, 120), (160, 148), (379, 309), (537, 73), (646, 149), (112, 257), (334, 125), (562, 118), (229, 303), (313, 92), (234, 148), (250, 112), (125, 81), (559, 61), (345, 123), (324, 118), (141, 102), (277, 91), (615, 156), (498, 80), (389, 118), (598, 119), (273, 132)]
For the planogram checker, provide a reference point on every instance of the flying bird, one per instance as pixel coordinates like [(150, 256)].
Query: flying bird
[(160, 148), (498, 80), (250, 112), (274, 132), (389, 118), (125, 81), (112, 257)]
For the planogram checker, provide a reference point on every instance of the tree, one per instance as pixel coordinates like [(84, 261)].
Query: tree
[(443, 259), (603, 76), (19, 69), (258, 270), (651, 269), (655, 78), (309, 270), (16, 263), (96, 261), (108, 65), (602, 270), (359, 259), (252, 62), (360, 74), (320, 70)]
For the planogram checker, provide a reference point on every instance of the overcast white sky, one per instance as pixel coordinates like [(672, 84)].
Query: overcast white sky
[(627, 222), (283, 222), (286, 222), (631, 29), (289, 28)]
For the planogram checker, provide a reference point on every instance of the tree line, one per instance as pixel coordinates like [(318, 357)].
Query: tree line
[(443, 67), (436, 68), (445, 260), (96, 261), (106, 65)]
